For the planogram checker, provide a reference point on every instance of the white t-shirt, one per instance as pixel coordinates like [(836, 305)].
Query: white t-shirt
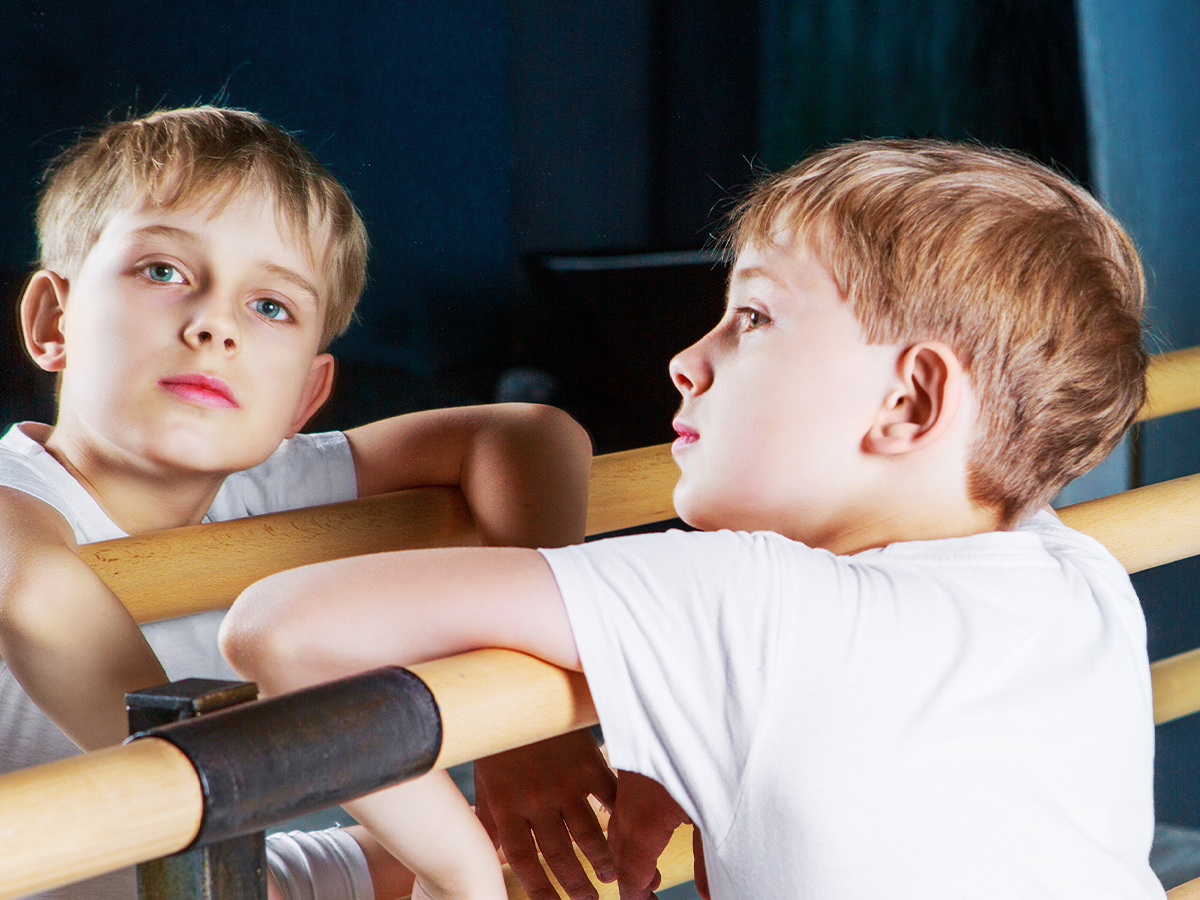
[(934, 719), (308, 470)]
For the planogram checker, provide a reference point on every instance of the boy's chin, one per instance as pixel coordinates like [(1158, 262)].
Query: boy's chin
[(695, 512)]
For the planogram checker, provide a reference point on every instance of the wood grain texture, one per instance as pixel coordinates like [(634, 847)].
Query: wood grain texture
[(1172, 384), (494, 700), (200, 567), (633, 487), (79, 817), (1176, 682), (1145, 527), (1189, 890)]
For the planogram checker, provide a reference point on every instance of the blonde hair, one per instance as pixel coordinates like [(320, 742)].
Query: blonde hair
[(1028, 279), (180, 157)]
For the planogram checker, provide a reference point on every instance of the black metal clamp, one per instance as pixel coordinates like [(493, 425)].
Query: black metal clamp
[(264, 761)]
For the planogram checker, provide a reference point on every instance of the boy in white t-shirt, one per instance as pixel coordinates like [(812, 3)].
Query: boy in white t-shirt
[(883, 668), (195, 265)]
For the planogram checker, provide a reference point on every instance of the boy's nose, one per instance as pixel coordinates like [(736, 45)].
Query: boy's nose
[(690, 370), (212, 322)]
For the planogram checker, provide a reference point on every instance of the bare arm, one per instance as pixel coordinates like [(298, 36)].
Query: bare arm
[(309, 625), (66, 637), (523, 468)]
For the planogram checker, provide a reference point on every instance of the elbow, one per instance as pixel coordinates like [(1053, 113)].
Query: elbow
[(251, 642), (552, 427), (572, 436)]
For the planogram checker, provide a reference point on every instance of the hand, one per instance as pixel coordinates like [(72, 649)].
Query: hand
[(643, 820), (542, 791)]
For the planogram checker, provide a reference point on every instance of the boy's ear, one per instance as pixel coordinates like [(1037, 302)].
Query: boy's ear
[(42, 307), (316, 391), (923, 403)]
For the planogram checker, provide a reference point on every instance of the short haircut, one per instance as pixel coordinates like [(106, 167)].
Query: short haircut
[(1023, 274), (181, 157)]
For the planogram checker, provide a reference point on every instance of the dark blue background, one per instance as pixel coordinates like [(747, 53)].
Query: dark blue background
[(473, 133)]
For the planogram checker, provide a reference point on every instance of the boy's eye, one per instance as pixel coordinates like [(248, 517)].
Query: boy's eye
[(271, 309), (163, 273), (751, 318)]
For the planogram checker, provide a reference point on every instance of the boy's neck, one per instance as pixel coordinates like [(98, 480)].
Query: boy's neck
[(926, 522), (137, 501)]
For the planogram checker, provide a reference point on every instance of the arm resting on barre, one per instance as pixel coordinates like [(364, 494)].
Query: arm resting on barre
[(523, 468), (69, 641), (310, 625)]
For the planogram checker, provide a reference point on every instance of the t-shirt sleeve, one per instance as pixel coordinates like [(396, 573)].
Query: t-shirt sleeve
[(306, 470), (18, 473), (678, 636)]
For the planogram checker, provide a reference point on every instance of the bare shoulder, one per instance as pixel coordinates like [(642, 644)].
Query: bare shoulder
[(28, 520)]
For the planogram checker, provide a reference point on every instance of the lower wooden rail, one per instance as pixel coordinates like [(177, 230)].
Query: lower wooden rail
[(76, 818)]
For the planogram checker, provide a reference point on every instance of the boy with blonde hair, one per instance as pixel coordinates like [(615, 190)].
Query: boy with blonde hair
[(883, 669), (195, 265)]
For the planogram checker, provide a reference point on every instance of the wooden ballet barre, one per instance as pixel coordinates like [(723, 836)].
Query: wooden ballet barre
[(1189, 890), (1143, 528), (1172, 384), (72, 819), (201, 567), (185, 570)]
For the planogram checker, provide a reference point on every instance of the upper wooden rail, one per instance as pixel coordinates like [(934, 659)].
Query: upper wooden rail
[(170, 573), (1172, 384), (199, 567)]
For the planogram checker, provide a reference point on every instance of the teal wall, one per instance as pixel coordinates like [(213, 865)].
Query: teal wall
[(1142, 66)]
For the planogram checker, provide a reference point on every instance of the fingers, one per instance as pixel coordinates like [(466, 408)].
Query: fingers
[(559, 852), (643, 820), (522, 854), (541, 792), (585, 829), (556, 837)]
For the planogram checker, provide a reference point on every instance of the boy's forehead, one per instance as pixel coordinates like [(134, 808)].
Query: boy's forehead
[(214, 211), (782, 259)]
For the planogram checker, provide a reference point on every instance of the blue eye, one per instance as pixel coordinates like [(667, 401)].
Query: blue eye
[(271, 309), (163, 273)]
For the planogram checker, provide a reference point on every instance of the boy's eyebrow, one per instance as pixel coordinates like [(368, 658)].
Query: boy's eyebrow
[(169, 231), (294, 277), (752, 272)]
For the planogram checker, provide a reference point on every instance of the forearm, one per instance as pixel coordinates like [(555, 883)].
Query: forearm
[(389, 877), (427, 825), (526, 480), (523, 468)]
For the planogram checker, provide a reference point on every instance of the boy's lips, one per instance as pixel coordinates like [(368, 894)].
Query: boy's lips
[(687, 435), (203, 390)]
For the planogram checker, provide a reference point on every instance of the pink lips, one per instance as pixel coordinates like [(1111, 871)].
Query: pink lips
[(686, 435), (203, 390)]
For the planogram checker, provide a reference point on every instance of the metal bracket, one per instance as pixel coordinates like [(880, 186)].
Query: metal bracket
[(232, 869)]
